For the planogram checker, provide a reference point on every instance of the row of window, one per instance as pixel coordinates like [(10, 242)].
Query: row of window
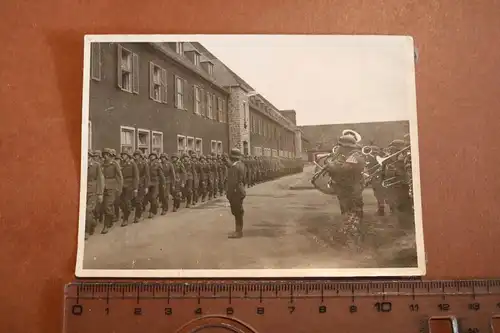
[(204, 102), (260, 125), (260, 151)]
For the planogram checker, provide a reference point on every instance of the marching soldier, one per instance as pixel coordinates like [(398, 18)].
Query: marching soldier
[(113, 185), (203, 171), (346, 171), (196, 177), (211, 178), (169, 173), (99, 209), (95, 189), (178, 185), (118, 198), (130, 174), (188, 179), (156, 181), (224, 167), (215, 175), (393, 174), (143, 185), (236, 192), (376, 181)]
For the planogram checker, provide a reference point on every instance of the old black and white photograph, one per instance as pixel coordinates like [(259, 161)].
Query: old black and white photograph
[(249, 156)]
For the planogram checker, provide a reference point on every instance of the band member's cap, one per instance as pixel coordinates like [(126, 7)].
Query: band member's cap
[(347, 141)]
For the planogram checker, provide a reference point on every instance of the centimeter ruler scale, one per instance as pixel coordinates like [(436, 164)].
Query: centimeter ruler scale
[(470, 306)]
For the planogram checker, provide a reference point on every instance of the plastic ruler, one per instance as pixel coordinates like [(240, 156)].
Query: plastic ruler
[(470, 306)]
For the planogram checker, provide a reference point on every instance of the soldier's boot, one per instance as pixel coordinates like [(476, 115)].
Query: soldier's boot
[(164, 208), (124, 221), (175, 205), (117, 213), (108, 222), (238, 233), (188, 201)]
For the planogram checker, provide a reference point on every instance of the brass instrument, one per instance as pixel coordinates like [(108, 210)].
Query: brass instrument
[(381, 160), (389, 182)]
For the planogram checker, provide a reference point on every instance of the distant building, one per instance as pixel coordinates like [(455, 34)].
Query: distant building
[(174, 97)]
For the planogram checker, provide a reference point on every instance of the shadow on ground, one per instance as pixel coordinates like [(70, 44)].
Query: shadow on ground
[(390, 244)]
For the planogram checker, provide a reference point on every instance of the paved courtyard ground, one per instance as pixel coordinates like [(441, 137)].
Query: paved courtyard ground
[(287, 225)]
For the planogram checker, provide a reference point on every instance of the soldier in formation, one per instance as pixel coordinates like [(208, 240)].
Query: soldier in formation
[(128, 185)]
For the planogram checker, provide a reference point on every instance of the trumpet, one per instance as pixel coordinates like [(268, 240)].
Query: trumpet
[(381, 160), (389, 182)]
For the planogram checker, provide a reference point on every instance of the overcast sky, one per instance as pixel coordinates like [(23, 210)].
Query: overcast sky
[(326, 79)]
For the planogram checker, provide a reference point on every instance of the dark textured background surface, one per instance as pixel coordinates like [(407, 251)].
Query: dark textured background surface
[(40, 110)]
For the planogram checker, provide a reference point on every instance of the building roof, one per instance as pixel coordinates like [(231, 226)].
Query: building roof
[(166, 50), (376, 133)]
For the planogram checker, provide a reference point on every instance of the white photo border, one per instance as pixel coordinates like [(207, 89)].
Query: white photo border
[(80, 272)]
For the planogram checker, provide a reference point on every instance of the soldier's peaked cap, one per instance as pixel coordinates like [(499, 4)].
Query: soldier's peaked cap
[(347, 141), (113, 152), (235, 152)]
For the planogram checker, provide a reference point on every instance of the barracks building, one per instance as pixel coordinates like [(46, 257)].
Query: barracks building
[(174, 97)]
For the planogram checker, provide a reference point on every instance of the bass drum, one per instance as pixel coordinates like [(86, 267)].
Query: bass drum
[(323, 183)]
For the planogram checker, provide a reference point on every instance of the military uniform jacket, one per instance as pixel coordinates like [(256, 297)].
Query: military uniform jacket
[(347, 170), (168, 172), (198, 168), (213, 169), (194, 169), (188, 168), (205, 170), (113, 178), (236, 180), (143, 168), (130, 174), (180, 172), (95, 178), (156, 174)]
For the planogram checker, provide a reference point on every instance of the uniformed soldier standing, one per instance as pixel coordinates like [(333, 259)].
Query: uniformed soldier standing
[(95, 189), (236, 192), (214, 173), (169, 173), (130, 174), (189, 179), (118, 198), (99, 209), (143, 186), (113, 185), (211, 178), (375, 168), (178, 185), (196, 177), (204, 175), (224, 167), (393, 173), (346, 171), (157, 180)]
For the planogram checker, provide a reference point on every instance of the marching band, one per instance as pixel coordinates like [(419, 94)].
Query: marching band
[(352, 167)]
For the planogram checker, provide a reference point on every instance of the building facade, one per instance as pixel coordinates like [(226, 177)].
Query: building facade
[(174, 97), (155, 97)]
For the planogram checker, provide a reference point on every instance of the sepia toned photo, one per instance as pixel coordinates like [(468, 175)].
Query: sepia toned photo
[(249, 156)]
